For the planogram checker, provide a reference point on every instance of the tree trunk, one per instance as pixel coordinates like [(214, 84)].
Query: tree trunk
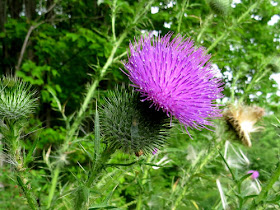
[(15, 7), (3, 5), (30, 9), (50, 14), (30, 13), (3, 16)]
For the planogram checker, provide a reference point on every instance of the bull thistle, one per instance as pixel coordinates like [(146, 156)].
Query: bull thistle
[(177, 78)]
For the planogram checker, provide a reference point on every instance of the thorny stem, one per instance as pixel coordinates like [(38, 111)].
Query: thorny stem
[(204, 27), (82, 201), (227, 32), (143, 182), (53, 186), (91, 91), (30, 199), (79, 117), (13, 138), (184, 5), (104, 158), (139, 202)]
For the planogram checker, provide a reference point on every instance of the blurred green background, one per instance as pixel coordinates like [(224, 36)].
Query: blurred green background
[(60, 46)]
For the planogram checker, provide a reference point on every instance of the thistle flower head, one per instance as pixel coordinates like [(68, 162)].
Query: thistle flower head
[(242, 119), (128, 124), (16, 98), (175, 77), (255, 174)]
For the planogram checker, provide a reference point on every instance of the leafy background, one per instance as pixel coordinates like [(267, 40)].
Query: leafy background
[(68, 44)]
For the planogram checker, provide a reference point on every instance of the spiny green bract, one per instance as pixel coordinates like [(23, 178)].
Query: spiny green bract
[(16, 98), (130, 125), (220, 7)]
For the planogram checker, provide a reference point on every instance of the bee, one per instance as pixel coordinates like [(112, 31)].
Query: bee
[(139, 153)]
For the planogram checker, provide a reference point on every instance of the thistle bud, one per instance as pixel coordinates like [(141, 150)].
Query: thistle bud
[(220, 7), (131, 125), (16, 99)]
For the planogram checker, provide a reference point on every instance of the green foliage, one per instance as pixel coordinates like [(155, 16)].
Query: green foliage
[(59, 151)]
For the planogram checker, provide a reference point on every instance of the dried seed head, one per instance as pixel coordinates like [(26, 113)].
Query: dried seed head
[(242, 118)]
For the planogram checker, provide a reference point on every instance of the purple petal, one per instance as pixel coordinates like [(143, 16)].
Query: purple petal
[(177, 78)]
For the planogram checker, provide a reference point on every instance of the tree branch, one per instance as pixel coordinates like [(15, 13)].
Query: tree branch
[(32, 27)]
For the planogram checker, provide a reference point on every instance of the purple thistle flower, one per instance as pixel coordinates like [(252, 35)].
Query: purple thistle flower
[(155, 151), (176, 77), (255, 174)]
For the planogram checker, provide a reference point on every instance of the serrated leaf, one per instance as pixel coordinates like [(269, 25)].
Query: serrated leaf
[(243, 178), (104, 204)]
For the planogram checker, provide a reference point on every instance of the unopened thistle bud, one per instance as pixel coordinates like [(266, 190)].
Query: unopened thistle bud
[(242, 119), (16, 99), (220, 7), (130, 125)]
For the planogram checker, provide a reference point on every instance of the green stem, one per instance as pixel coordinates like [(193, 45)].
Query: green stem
[(53, 186), (82, 194), (204, 27), (214, 44), (140, 14), (139, 202), (235, 79), (103, 71), (128, 204), (145, 174), (267, 187), (143, 181), (13, 140), (114, 19), (30, 199), (227, 32), (255, 80), (183, 6), (91, 92), (100, 165)]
